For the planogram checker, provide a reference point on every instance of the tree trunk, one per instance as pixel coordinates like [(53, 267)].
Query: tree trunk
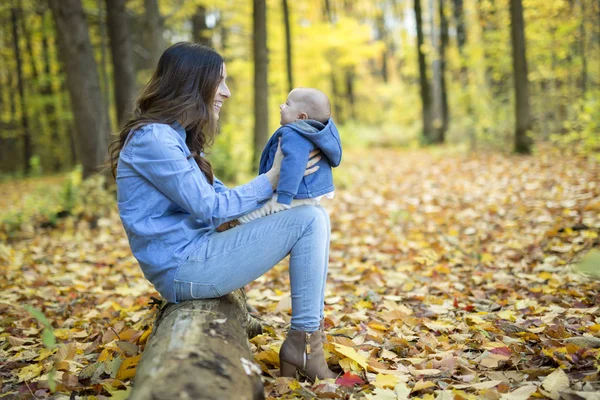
[(336, 98), (461, 38), (154, 33), (349, 75), (27, 150), (517, 30), (224, 33), (121, 49), (438, 113), (261, 62), (3, 68), (28, 46), (442, 55), (199, 350), (288, 45), (200, 31), (103, 72), (424, 83), (47, 92), (91, 117), (383, 36), (328, 12), (582, 38), (461, 41), (12, 92)]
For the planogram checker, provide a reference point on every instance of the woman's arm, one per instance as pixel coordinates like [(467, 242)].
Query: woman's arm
[(158, 154), (218, 185)]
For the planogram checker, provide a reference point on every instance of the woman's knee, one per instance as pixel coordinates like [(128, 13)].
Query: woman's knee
[(325, 214), (313, 217)]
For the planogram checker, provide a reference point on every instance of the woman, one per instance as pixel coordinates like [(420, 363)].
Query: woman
[(171, 206)]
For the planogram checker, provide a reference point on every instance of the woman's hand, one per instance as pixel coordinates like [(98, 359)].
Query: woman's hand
[(313, 158), (273, 173)]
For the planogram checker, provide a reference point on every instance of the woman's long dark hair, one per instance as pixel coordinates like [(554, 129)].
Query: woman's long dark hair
[(185, 82)]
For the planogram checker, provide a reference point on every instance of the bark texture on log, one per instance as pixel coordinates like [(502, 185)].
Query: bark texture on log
[(199, 350)]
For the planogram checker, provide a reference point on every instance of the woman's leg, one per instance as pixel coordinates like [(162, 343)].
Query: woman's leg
[(325, 268), (231, 259)]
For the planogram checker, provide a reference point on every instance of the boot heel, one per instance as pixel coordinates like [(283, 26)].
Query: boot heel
[(287, 369)]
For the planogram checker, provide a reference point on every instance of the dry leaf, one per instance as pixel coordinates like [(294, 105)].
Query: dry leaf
[(555, 383), (522, 393)]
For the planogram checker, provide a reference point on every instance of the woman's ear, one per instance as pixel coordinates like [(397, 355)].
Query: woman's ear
[(303, 115)]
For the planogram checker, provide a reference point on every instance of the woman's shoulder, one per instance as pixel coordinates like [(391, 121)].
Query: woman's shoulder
[(155, 132)]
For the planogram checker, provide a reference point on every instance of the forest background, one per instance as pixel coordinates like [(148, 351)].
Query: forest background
[(459, 89)]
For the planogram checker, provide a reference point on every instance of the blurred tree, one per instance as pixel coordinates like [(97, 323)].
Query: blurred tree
[(523, 121), (76, 52), (154, 28), (261, 88), (335, 92), (426, 102), (121, 48), (200, 31), (461, 43), (288, 44), (47, 89), (103, 69), (382, 35), (28, 43), (490, 19), (439, 35), (582, 39), (27, 143), (443, 45), (350, 70)]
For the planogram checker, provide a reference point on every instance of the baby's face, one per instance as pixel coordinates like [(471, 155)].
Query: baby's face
[(290, 110)]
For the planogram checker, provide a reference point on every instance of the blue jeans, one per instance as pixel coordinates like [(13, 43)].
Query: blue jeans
[(231, 259)]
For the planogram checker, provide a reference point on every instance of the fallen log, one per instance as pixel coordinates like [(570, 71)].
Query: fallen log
[(199, 350)]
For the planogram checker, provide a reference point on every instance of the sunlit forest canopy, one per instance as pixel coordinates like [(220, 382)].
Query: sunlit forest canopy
[(363, 54)]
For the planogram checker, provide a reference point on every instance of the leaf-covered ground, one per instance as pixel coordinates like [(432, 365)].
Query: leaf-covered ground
[(451, 276)]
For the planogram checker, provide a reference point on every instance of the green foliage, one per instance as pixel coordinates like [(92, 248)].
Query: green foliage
[(36, 166), (590, 264), (582, 130), (48, 203), (48, 339), (92, 200)]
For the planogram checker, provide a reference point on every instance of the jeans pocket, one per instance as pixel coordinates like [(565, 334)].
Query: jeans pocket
[(192, 290)]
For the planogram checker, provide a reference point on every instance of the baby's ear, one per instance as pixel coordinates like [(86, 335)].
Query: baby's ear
[(303, 115)]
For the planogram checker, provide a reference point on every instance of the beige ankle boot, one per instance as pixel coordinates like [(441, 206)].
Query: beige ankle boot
[(302, 352), (322, 331)]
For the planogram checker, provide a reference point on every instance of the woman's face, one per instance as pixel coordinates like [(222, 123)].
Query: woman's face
[(222, 94)]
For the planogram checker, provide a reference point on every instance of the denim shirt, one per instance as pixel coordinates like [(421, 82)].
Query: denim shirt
[(167, 206)]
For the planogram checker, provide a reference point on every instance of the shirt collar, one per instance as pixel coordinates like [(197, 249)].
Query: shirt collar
[(179, 129)]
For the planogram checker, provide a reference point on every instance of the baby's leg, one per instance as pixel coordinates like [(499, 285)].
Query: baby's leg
[(265, 210), (272, 206)]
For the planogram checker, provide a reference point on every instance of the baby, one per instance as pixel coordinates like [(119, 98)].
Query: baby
[(305, 126)]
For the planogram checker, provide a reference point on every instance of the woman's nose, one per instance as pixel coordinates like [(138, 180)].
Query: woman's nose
[(281, 106), (224, 90)]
